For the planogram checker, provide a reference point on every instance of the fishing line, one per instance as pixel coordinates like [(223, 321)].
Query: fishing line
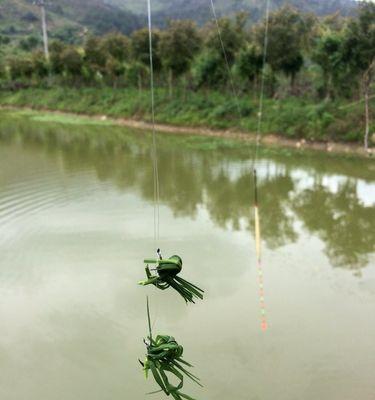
[(231, 81), (154, 144), (259, 265), (258, 242), (263, 80)]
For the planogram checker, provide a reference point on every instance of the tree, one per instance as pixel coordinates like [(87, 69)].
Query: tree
[(287, 37), (141, 47), (73, 62), (68, 34), (359, 54), (95, 57), (328, 55), (3, 73), (4, 40), (1, 44), (29, 43), (114, 69), (39, 64), (117, 46), (178, 45), (249, 63), (116, 49), (208, 70), (56, 50), (232, 37), (20, 68), (334, 23), (136, 73)]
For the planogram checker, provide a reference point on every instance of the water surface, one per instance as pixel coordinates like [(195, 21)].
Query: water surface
[(76, 222)]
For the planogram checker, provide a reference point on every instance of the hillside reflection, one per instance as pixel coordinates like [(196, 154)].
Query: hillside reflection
[(204, 173)]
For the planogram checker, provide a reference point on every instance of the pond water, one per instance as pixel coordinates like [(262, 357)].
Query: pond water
[(76, 222)]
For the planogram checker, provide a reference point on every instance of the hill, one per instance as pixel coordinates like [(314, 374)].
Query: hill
[(70, 20), (200, 10), (67, 19)]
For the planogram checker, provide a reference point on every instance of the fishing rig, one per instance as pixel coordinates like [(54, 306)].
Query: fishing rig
[(167, 271), (257, 224), (164, 354)]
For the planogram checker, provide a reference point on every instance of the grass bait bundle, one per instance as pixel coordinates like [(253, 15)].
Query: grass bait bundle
[(166, 276), (164, 355)]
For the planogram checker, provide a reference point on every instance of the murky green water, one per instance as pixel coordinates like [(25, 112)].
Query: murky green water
[(76, 221)]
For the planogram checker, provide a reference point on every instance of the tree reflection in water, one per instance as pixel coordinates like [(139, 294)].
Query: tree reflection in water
[(341, 221), (215, 175)]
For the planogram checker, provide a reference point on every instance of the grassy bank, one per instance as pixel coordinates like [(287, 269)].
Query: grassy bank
[(292, 118)]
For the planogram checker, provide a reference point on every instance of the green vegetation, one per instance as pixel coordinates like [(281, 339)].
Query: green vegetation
[(318, 77), (291, 117)]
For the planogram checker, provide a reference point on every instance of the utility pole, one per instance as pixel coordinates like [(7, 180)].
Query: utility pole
[(42, 4)]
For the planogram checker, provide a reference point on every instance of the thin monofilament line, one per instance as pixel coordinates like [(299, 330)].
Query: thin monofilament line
[(235, 95), (258, 238), (263, 79), (154, 153)]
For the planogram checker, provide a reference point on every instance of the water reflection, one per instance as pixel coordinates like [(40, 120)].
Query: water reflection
[(341, 220), (309, 192)]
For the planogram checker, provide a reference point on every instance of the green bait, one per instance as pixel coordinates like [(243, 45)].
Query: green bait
[(166, 276)]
